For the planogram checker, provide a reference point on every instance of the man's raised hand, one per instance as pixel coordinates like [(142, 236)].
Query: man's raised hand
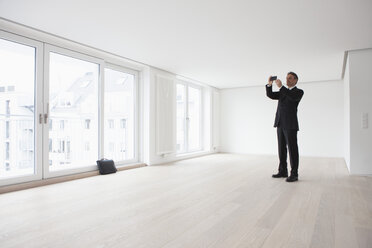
[(270, 82), (278, 83)]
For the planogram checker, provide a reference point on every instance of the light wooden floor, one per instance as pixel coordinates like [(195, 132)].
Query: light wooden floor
[(221, 200)]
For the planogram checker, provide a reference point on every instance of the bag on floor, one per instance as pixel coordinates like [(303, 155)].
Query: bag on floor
[(106, 166)]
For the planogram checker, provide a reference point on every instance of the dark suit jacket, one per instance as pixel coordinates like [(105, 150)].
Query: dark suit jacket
[(286, 113)]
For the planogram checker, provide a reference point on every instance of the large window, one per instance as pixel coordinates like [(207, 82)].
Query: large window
[(119, 121), (188, 118), (61, 110), (73, 106), (17, 109)]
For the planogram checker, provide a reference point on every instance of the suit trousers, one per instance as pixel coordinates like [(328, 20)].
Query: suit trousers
[(287, 138)]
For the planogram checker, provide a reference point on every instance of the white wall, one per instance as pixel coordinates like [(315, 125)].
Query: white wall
[(247, 119), (360, 64)]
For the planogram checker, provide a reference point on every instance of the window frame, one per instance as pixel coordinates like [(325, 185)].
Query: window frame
[(200, 148), (136, 110), (43, 44), (38, 93), (186, 143), (48, 48)]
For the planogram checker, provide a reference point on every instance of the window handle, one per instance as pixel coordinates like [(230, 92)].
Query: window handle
[(46, 115), (41, 118)]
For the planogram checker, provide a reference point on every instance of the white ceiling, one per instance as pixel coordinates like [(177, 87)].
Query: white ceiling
[(223, 43)]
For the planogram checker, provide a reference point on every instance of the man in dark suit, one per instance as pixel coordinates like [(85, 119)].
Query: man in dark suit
[(286, 123)]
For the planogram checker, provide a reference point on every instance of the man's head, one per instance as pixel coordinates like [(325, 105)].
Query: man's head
[(291, 79)]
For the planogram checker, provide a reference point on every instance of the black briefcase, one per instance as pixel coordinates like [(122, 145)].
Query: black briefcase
[(106, 166)]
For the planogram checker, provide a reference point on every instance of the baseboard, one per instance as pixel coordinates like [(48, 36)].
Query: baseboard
[(38, 183)]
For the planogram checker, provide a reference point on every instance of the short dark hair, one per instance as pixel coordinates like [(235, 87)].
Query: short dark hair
[(293, 74)]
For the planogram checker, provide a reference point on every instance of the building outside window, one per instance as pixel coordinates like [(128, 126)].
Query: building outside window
[(112, 147), (7, 146), (62, 124), (111, 124), (123, 123), (7, 127), (7, 107), (119, 111), (87, 124), (87, 146)]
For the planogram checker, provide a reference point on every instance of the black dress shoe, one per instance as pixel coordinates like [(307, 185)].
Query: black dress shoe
[(292, 179), (279, 175)]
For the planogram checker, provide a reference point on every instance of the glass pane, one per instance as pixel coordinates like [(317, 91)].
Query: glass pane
[(181, 121), (194, 118), (17, 131), (119, 115), (73, 108)]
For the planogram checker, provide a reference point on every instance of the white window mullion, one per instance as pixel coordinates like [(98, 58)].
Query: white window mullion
[(187, 119), (101, 111), (201, 118)]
